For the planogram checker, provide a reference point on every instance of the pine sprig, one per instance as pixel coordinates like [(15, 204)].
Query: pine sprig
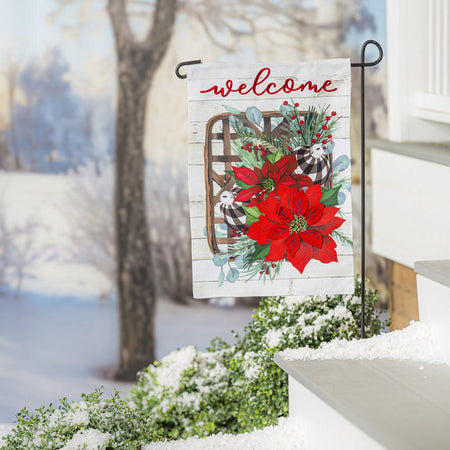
[(342, 238)]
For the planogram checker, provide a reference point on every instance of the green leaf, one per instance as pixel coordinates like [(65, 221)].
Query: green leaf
[(221, 278), (330, 196), (274, 157), (241, 184), (252, 214), (254, 115), (278, 155), (261, 251), (232, 110), (220, 259), (232, 275)]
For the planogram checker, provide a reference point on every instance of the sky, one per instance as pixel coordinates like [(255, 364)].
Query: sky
[(26, 30)]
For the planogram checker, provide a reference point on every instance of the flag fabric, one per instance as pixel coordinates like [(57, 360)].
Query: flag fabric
[(269, 178)]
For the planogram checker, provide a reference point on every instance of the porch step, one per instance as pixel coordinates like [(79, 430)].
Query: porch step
[(433, 289), (370, 404)]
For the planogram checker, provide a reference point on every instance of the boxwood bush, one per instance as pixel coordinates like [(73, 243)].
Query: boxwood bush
[(227, 388)]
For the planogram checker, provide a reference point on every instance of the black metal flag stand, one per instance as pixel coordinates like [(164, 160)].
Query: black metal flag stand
[(362, 65)]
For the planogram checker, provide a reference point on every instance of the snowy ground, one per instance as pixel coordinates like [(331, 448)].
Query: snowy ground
[(55, 346), (59, 337), (287, 435)]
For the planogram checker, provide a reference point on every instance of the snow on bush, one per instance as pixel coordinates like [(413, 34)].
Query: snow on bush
[(412, 343), (233, 389), (87, 439), (90, 424), (225, 389)]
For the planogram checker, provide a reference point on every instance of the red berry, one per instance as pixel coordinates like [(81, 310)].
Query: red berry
[(318, 135), (333, 113), (298, 131), (324, 127), (285, 102), (324, 141), (296, 105), (328, 118), (293, 117), (313, 141), (330, 136), (274, 265), (324, 148), (290, 149), (302, 122), (267, 271), (260, 272)]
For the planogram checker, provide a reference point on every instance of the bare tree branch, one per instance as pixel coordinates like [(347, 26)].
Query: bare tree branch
[(119, 21)]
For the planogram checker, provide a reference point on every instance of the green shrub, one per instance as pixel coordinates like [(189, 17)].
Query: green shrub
[(110, 423), (236, 388), (227, 388)]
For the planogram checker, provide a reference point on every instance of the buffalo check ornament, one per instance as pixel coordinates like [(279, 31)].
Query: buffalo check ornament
[(269, 178)]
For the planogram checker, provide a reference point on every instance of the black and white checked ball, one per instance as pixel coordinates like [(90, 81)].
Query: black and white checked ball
[(312, 161), (232, 212)]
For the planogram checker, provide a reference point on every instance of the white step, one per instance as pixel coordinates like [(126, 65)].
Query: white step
[(433, 290), (370, 404)]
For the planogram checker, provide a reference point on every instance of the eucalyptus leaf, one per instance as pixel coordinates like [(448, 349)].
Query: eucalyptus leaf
[(232, 275), (284, 108), (341, 163), (254, 115), (220, 259), (236, 123), (341, 197), (329, 147), (346, 186), (221, 278), (232, 110), (239, 261)]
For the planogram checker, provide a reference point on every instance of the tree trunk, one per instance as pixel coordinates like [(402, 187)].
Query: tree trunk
[(136, 64), (134, 264)]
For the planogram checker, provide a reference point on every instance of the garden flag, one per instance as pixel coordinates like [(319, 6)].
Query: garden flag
[(269, 178)]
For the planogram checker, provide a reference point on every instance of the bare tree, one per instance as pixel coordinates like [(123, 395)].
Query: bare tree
[(137, 62), (292, 23), (8, 153)]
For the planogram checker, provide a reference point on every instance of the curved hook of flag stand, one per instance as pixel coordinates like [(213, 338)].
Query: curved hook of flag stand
[(362, 64)]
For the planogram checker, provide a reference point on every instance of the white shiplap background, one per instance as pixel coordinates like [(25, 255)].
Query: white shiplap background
[(317, 278)]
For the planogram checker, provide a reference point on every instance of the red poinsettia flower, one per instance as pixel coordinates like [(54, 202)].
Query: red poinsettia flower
[(267, 179), (297, 227)]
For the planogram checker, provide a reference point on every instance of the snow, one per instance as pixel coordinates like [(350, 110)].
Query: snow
[(173, 365), (87, 439), (287, 435), (412, 343), (5, 429), (60, 336)]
